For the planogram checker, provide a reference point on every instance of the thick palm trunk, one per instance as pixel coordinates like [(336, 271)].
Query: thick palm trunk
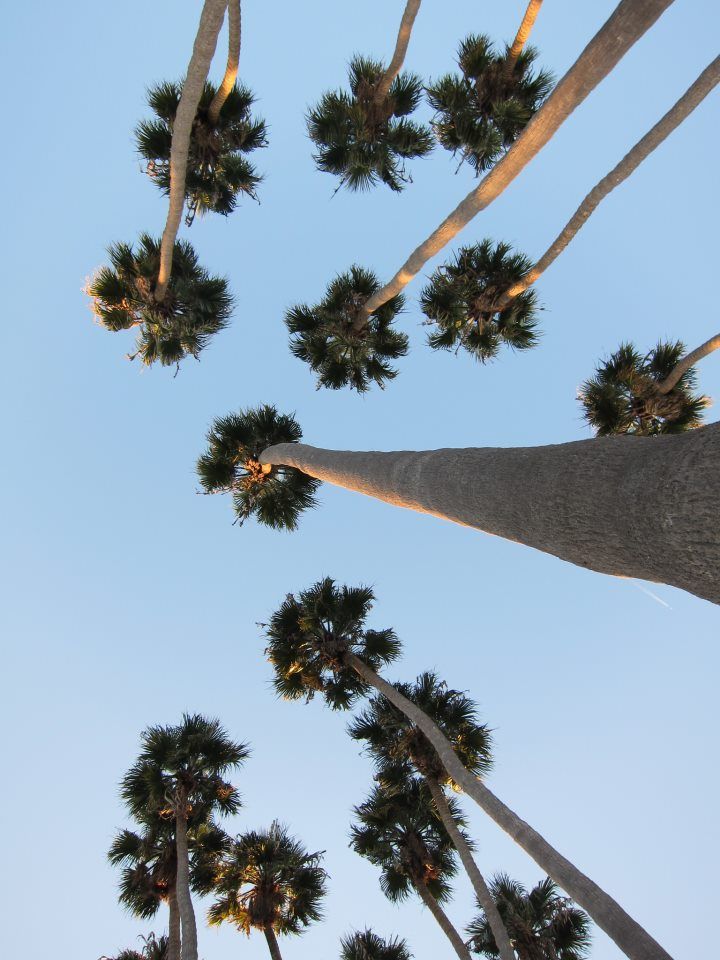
[(443, 920), (401, 45), (628, 506), (233, 62), (630, 937), (173, 927), (631, 19), (272, 943), (521, 37), (189, 948), (484, 897), (688, 361), (704, 84), (211, 20)]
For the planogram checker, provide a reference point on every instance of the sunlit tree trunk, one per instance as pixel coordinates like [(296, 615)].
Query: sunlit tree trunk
[(521, 37), (233, 62), (401, 45), (443, 920), (173, 927), (688, 361), (189, 946)]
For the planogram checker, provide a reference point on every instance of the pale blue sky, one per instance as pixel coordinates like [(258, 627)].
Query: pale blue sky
[(129, 599)]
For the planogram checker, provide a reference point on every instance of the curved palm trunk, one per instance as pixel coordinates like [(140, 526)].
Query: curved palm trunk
[(272, 943), (635, 942), (502, 940), (521, 37), (631, 19), (688, 361), (443, 920), (189, 948), (233, 62), (173, 927), (211, 20), (628, 506), (401, 45), (704, 84)]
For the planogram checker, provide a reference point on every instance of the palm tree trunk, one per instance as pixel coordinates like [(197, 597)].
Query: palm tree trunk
[(707, 80), (173, 927), (233, 62), (272, 943), (627, 506), (444, 921), (189, 949), (521, 37), (688, 361), (630, 937), (484, 897), (211, 20), (631, 19), (401, 45)]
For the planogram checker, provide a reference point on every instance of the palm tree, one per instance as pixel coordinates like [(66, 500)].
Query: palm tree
[(340, 344), (398, 831), (194, 308), (318, 644), (233, 62), (521, 37), (368, 945), (542, 924), (481, 113), (274, 496), (624, 396), (154, 948), (269, 882), (179, 777)]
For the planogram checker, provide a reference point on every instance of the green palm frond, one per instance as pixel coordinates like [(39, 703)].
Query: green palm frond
[(368, 945), (154, 948)]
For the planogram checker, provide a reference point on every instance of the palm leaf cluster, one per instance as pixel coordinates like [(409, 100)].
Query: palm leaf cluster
[(482, 112), (154, 948), (462, 297), (275, 496), (194, 308), (368, 945), (309, 639), (541, 924), (363, 139), (340, 345), (218, 172), (623, 396)]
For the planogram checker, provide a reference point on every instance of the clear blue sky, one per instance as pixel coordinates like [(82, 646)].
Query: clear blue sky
[(128, 599)]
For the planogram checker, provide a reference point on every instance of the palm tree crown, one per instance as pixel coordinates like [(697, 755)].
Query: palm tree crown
[(363, 139), (343, 347), (217, 172), (368, 945), (462, 296), (481, 113), (310, 637), (542, 925), (275, 496), (623, 396), (194, 308), (154, 948)]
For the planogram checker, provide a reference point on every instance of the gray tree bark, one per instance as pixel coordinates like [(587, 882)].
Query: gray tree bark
[(627, 933), (521, 37), (401, 45), (443, 920), (272, 943), (627, 506), (189, 947), (173, 927), (688, 361), (233, 62)]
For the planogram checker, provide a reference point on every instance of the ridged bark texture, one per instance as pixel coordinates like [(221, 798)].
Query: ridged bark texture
[(630, 937), (688, 361), (272, 943), (173, 927), (211, 20), (401, 45), (631, 19), (189, 946), (521, 37), (484, 897), (627, 506), (233, 62), (443, 920)]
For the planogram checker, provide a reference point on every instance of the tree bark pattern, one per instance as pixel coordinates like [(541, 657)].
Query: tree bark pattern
[(443, 920), (521, 37), (189, 945), (233, 62), (689, 360), (401, 45), (173, 927)]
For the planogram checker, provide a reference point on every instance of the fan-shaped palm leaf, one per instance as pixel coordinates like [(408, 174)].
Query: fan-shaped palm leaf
[(368, 945)]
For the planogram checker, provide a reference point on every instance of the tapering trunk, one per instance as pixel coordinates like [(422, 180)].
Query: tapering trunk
[(521, 37), (704, 84), (488, 905), (189, 945), (401, 45), (631, 19), (443, 920), (272, 943), (211, 20), (630, 937), (173, 927), (233, 62), (628, 506), (688, 361)]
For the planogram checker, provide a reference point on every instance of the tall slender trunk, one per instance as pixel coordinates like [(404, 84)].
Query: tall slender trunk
[(173, 926), (688, 361), (704, 84), (631, 19), (484, 897), (521, 37), (401, 45), (272, 943), (233, 62), (443, 920), (628, 506), (630, 937), (211, 20), (189, 948)]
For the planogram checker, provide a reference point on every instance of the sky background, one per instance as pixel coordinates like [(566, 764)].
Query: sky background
[(128, 599)]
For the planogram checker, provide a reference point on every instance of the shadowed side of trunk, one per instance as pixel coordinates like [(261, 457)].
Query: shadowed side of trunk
[(173, 927), (443, 920), (189, 947)]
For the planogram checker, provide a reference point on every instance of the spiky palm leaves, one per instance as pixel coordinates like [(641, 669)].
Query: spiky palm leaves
[(368, 945), (481, 113), (363, 138), (275, 496), (542, 925), (623, 396), (217, 172), (311, 635), (194, 308), (154, 948), (462, 297), (340, 344)]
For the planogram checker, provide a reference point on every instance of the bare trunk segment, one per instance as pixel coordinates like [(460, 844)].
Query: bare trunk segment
[(689, 360), (521, 37), (233, 62), (189, 948), (401, 45), (272, 943), (627, 933), (631, 19), (173, 927), (627, 506), (443, 920)]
